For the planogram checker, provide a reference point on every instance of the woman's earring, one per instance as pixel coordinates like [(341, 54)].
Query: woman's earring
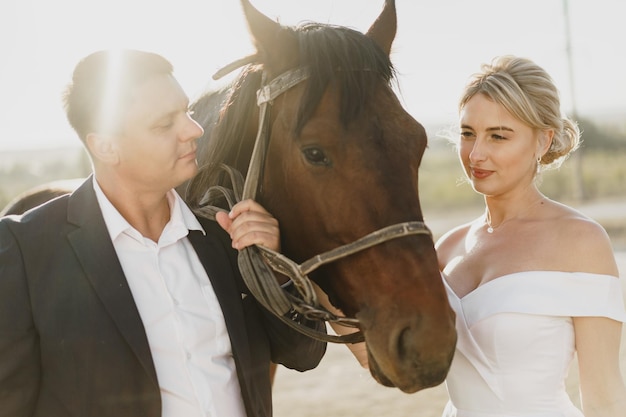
[(539, 164)]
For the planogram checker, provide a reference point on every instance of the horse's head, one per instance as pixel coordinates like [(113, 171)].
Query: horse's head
[(342, 162)]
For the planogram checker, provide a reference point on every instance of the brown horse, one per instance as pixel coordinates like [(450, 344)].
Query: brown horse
[(341, 162)]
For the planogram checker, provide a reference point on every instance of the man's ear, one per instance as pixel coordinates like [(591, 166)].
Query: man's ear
[(102, 148)]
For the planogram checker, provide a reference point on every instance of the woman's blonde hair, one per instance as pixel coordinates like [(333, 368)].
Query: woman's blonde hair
[(528, 92)]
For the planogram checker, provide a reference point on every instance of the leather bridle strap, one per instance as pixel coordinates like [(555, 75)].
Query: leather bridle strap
[(299, 272), (265, 97)]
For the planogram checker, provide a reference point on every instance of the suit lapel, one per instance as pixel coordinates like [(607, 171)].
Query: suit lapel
[(95, 251)]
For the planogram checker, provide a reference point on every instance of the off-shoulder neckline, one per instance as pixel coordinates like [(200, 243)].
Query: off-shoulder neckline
[(513, 275)]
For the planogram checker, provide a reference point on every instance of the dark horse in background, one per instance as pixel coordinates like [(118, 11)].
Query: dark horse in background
[(342, 162), (39, 195)]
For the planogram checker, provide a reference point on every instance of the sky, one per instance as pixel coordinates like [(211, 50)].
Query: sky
[(439, 44)]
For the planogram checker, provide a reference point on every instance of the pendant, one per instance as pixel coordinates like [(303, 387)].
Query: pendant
[(490, 229)]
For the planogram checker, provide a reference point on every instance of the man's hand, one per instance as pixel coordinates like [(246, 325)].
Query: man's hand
[(248, 223)]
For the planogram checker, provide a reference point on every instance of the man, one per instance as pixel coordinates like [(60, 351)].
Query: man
[(116, 300)]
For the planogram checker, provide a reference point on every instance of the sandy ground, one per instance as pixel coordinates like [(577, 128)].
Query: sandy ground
[(339, 387)]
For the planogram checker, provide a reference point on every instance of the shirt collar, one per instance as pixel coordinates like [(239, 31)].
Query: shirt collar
[(181, 220)]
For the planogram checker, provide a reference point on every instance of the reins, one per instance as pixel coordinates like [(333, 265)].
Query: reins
[(255, 261)]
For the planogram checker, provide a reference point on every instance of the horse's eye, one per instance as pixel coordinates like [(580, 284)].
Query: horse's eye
[(315, 156)]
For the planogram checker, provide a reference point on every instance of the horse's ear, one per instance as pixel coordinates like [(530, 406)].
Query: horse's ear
[(273, 45), (383, 30)]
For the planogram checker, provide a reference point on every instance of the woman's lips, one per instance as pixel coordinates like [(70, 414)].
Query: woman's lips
[(480, 173)]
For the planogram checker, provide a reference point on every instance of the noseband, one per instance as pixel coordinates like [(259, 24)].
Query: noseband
[(255, 261)]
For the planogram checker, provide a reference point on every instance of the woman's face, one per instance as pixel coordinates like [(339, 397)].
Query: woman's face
[(498, 152)]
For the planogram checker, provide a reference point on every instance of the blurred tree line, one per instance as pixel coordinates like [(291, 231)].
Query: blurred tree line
[(602, 170), (20, 171), (603, 138)]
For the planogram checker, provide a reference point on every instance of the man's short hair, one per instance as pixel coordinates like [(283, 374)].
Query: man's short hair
[(102, 85)]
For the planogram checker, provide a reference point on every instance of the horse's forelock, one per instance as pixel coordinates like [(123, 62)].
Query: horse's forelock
[(344, 57), (350, 60)]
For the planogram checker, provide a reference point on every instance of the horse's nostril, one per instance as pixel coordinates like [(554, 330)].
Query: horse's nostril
[(404, 346), (427, 352)]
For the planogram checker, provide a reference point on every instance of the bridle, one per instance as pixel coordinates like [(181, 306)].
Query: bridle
[(255, 261)]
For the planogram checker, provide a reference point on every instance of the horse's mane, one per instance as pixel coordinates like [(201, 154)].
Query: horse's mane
[(206, 111), (349, 60)]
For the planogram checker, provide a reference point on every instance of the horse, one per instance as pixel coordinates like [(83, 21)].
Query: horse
[(340, 163), (40, 194)]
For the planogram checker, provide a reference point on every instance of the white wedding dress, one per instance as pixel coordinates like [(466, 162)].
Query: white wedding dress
[(516, 342)]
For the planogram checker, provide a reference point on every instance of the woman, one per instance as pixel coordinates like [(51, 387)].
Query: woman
[(533, 282)]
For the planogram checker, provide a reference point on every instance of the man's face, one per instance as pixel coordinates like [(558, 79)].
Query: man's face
[(157, 143)]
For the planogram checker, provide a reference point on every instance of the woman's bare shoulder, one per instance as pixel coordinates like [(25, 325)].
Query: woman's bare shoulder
[(453, 235), (448, 244), (582, 243)]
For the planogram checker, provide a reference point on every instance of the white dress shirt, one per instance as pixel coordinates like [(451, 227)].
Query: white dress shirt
[(181, 315)]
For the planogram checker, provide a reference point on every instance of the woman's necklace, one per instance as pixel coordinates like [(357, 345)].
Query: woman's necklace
[(491, 228)]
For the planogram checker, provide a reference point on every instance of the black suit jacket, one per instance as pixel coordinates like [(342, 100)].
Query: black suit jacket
[(71, 339)]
